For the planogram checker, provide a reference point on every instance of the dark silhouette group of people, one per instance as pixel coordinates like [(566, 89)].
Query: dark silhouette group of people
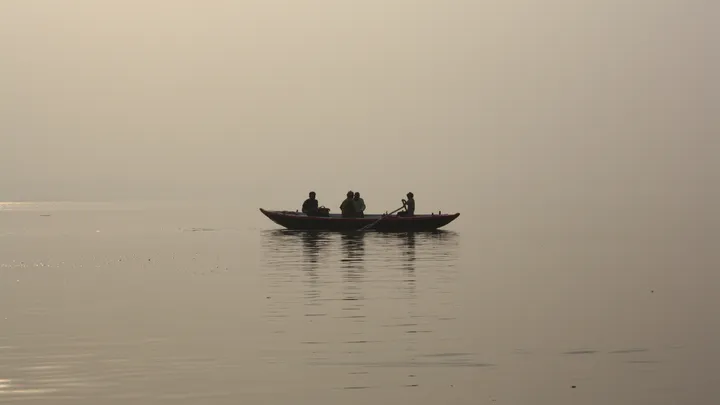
[(352, 207)]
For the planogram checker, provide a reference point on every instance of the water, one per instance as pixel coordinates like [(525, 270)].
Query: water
[(185, 304)]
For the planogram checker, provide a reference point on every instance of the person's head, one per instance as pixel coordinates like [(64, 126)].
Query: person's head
[(410, 195), (312, 195), (349, 194), (357, 195)]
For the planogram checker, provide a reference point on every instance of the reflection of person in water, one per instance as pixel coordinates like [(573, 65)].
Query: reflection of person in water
[(311, 245), (312, 242), (353, 247), (409, 242), (409, 262)]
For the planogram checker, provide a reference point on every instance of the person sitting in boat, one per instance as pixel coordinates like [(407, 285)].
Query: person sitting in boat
[(409, 206), (310, 206), (359, 205), (348, 206)]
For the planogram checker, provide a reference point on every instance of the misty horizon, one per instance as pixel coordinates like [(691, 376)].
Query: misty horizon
[(118, 101)]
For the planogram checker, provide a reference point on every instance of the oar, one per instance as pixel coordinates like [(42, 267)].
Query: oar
[(381, 218)]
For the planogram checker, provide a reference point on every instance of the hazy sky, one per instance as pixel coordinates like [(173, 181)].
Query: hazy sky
[(502, 101)]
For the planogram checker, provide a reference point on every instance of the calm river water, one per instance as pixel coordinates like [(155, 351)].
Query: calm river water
[(138, 303)]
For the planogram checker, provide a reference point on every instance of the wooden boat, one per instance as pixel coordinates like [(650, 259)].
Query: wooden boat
[(335, 222)]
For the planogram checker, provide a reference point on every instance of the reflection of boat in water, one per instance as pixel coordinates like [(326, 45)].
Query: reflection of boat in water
[(387, 249), (335, 222), (314, 260)]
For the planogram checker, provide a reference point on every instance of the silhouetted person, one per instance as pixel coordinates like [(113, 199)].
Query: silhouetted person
[(348, 206), (359, 205), (310, 206), (409, 206)]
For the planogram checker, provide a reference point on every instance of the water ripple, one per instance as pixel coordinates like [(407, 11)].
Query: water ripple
[(368, 287)]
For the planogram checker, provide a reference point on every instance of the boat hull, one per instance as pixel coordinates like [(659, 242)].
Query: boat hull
[(335, 223)]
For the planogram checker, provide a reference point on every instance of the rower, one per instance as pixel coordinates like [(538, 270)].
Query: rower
[(409, 206)]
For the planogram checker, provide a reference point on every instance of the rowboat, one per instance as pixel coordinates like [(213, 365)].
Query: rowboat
[(335, 222)]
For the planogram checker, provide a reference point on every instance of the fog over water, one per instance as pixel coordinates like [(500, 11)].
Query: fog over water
[(578, 140), (506, 103)]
